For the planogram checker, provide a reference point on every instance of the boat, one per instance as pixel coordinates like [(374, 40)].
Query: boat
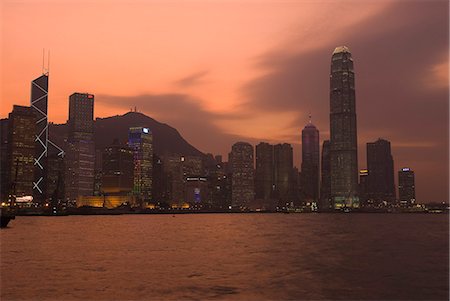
[(6, 215)]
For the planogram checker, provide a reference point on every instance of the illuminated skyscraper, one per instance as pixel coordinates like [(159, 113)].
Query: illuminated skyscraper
[(39, 105), (310, 163), (406, 187), (80, 156), (380, 164), (21, 151), (343, 142), (242, 184), (140, 140)]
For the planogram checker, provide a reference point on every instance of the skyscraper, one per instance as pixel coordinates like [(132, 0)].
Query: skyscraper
[(242, 184), (325, 185), (363, 188), (21, 151), (283, 167), (264, 174), (117, 169), (380, 165), (310, 163), (80, 156), (39, 105), (140, 140), (406, 187), (343, 142)]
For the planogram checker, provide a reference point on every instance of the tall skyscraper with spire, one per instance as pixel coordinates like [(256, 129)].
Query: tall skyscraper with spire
[(43, 146), (343, 136), (310, 162)]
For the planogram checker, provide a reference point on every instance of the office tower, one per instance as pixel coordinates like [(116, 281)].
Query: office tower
[(406, 187), (219, 186), (325, 186), (177, 170), (140, 140), (117, 169), (283, 166), (343, 142), (380, 165), (363, 187), (43, 146), (242, 183), (264, 173), (21, 151), (160, 183), (310, 162), (80, 155), (4, 158)]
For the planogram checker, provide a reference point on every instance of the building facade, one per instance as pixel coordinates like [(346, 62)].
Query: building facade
[(310, 163), (283, 160), (380, 165), (242, 183), (80, 150), (406, 187), (264, 172), (21, 151), (117, 170), (140, 140), (343, 138), (43, 146), (325, 182)]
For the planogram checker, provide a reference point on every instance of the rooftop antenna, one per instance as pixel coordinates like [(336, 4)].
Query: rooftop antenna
[(45, 70), (310, 118), (43, 57), (48, 62)]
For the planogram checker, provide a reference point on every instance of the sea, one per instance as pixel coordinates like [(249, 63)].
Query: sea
[(226, 257)]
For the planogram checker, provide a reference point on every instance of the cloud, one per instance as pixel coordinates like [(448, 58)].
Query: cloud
[(192, 80), (183, 112), (401, 65)]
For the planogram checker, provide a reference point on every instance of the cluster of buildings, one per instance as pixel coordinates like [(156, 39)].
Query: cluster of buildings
[(37, 172)]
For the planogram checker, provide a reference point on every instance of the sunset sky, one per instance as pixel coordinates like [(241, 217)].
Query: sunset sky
[(227, 71)]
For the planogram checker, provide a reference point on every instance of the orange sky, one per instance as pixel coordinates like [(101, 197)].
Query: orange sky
[(251, 70)]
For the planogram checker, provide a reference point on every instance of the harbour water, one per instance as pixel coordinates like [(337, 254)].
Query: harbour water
[(226, 257)]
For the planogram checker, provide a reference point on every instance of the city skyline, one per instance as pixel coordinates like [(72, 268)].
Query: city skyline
[(417, 142)]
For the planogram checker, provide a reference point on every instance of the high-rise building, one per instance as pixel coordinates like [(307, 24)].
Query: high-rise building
[(4, 159), (118, 169), (21, 151), (178, 169), (242, 184), (140, 140), (343, 142), (43, 146), (406, 187), (283, 166), (264, 173), (325, 185), (80, 152), (363, 188), (380, 165), (310, 162)]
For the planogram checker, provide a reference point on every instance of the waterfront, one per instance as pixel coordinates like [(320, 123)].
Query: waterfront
[(226, 257)]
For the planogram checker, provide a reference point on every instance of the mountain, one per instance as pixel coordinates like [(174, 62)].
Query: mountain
[(166, 139)]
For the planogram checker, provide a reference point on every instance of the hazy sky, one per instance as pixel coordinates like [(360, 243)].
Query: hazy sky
[(223, 71)]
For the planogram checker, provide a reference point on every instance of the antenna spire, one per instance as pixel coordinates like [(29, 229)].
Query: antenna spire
[(310, 118), (43, 60), (48, 62)]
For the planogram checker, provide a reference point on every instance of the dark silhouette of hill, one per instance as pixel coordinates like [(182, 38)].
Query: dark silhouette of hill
[(166, 139)]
